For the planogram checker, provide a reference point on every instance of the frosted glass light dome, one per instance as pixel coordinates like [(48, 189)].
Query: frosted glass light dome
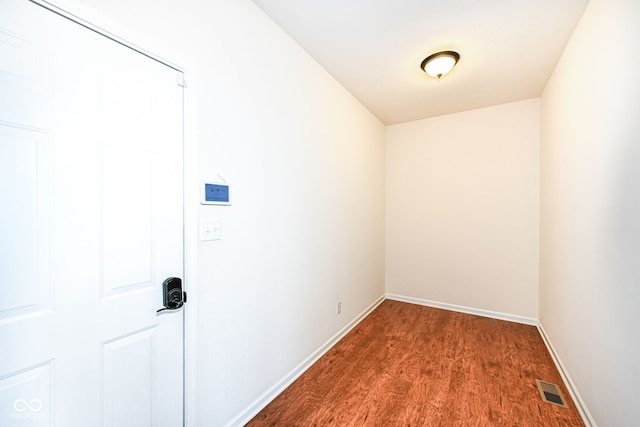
[(440, 64)]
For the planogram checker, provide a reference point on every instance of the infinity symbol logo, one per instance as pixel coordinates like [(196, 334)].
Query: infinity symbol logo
[(22, 405)]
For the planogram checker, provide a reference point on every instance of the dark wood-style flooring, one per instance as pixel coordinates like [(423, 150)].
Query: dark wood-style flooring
[(409, 365)]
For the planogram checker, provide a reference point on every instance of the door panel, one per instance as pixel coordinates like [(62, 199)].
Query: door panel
[(91, 224), (24, 192), (128, 379), (126, 219), (32, 381)]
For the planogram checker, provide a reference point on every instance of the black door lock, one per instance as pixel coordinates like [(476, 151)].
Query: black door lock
[(172, 295)]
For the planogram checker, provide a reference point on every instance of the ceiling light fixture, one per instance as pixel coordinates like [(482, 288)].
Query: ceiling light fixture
[(440, 63)]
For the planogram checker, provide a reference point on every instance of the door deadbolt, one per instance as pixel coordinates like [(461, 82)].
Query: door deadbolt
[(173, 296)]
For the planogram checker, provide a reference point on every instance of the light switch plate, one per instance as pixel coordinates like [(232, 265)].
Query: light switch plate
[(210, 229)]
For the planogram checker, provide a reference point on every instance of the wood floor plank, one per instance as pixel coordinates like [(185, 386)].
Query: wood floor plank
[(409, 365)]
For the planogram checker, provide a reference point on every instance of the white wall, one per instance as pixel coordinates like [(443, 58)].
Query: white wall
[(462, 209), (306, 229), (306, 164), (590, 210)]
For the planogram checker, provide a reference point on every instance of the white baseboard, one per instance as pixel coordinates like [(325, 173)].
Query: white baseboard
[(467, 310), (573, 390), (253, 409)]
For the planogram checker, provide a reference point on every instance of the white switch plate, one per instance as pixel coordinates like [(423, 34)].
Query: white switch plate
[(210, 229)]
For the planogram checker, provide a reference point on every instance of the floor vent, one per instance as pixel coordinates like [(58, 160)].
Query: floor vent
[(551, 393)]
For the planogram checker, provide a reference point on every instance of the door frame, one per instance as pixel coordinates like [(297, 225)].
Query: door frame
[(102, 25)]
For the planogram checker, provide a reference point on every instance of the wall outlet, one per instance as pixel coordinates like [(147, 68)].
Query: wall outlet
[(339, 307)]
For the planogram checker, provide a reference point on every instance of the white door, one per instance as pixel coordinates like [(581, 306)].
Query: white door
[(90, 226)]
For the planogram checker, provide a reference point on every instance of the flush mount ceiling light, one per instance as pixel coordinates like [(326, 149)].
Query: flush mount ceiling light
[(440, 63)]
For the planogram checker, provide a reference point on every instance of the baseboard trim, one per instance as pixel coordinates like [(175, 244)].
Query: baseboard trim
[(587, 418), (467, 310), (259, 404)]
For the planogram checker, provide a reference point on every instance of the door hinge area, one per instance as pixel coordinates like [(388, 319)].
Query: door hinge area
[(182, 82)]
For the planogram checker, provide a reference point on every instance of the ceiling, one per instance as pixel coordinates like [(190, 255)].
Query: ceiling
[(374, 48)]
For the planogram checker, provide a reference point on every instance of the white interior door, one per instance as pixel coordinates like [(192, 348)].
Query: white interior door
[(90, 226)]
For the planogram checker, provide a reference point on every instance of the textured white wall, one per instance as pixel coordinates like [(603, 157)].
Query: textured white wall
[(306, 164), (462, 209), (590, 210)]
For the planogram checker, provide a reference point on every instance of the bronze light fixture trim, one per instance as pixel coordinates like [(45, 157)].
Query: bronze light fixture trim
[(440, 64)]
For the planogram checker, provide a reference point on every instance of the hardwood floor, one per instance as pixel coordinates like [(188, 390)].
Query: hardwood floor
[(409, 365)]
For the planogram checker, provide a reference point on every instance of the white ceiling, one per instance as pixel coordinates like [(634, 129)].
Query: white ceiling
[(374, 48)]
